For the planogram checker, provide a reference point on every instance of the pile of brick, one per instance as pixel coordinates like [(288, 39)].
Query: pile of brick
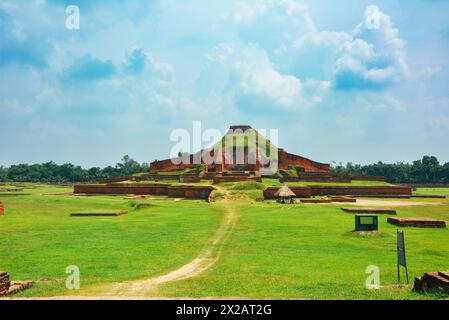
[(417, 222), (432, 281), (8, 287), (5, 283), (17, 286), (2, 209)]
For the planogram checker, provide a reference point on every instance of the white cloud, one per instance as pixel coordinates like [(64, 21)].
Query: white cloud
[(248, 12), (322, 38), (138, 60), (271, 24), (256, 84), (375, 57)]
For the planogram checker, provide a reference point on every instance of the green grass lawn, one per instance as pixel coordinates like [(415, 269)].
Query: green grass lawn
[(310, 252), (274, 251), (433, 191), (39, 239)]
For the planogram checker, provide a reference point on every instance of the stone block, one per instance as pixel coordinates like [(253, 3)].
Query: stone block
[(417, 222)]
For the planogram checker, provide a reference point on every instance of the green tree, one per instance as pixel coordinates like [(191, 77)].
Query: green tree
[(128, 166)]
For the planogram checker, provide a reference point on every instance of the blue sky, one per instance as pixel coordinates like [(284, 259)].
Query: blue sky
[(338, 87)]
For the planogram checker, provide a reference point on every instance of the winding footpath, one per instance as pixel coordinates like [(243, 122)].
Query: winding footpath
[(207, 257), (138, 289)]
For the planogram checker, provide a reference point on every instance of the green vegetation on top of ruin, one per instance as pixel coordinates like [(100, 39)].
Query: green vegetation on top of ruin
[(251, 138), (175, 172)]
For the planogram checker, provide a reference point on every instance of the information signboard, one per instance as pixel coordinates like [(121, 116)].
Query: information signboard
[(402, 261)]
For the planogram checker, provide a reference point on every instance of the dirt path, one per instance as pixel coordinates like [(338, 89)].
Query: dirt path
[(206, 258), (147, 288)]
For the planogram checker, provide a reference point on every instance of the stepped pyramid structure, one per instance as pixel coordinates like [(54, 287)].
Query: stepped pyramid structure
[(241, 149)]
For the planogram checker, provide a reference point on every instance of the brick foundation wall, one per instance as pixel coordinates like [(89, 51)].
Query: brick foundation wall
[(321, 177), (287, 160), (140, 189), (168, 165), (176, 192), (328, 191), (190, 192), (198, 192), (360, 191)]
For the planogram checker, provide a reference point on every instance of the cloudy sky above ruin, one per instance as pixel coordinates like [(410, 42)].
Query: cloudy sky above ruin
[(338, 85)]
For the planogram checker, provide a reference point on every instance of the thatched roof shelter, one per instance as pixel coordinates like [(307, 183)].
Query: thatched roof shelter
[(284, 192)]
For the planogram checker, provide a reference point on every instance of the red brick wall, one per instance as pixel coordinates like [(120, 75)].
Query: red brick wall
[(191, 192), (360, 191), (176, 191), (110, 189), (327, 191), (287, 160), (198, 192), (168, 165)]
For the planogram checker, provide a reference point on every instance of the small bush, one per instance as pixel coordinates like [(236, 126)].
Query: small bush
[(218, 195)]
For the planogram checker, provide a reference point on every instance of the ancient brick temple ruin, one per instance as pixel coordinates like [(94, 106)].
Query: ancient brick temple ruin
[(243, 154), (241, 149)]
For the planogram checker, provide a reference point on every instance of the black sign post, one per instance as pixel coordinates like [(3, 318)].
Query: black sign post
[(402, 261)]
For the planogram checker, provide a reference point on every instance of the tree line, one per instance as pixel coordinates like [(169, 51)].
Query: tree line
[(51, 172), (428, 170)]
